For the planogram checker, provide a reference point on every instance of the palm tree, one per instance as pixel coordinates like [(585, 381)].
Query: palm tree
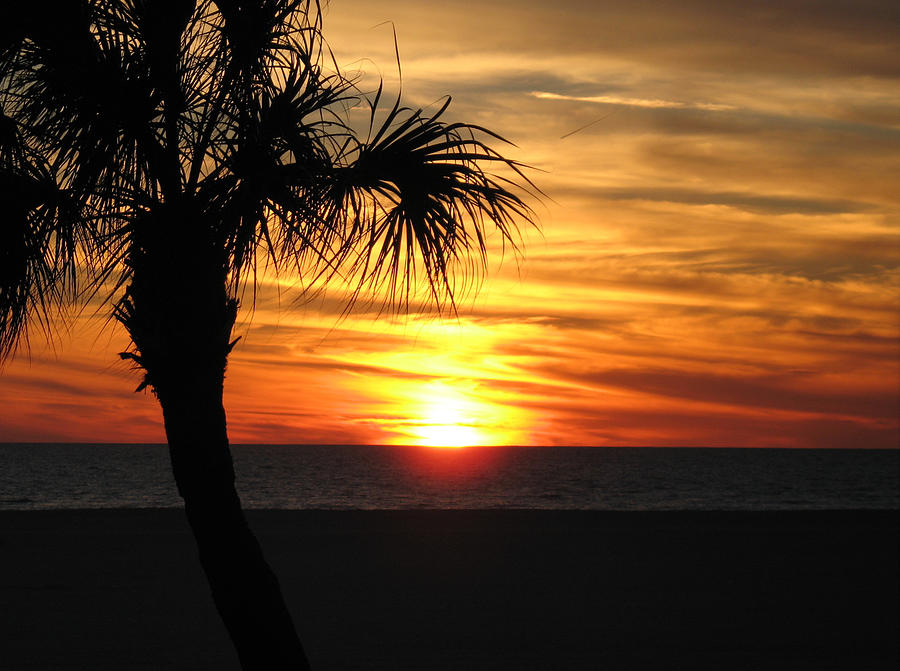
[(161, 155)]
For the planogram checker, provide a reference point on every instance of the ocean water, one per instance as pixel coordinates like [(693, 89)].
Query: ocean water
[(37, 476)]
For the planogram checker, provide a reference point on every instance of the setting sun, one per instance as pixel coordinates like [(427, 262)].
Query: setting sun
[(447, 419), (448, 435)]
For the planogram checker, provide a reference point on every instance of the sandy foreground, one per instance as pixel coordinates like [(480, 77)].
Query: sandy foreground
[(122, 589)]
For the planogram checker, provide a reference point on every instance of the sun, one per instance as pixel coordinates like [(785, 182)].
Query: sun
[(447, 419), (447, 435)]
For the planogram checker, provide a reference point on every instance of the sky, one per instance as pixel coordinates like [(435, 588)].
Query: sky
[(718, 261)]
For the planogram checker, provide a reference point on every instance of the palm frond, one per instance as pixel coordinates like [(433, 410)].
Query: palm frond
[(39, 231), (420, 199), (259, 33)]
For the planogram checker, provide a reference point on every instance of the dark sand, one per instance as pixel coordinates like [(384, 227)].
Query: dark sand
[(466, 590)]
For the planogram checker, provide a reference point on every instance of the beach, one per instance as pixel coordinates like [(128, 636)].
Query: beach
[(122, 589)]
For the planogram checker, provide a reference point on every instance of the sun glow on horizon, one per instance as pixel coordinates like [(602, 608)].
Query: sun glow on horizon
[(448, 435), (448, 419)]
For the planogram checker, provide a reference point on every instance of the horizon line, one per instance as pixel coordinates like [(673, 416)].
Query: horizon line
[(464, 447)]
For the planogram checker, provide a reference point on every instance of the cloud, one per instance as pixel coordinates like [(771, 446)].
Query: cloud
[(792, 39), (335, 365), (777, 392), (634, 102), (750, 202)]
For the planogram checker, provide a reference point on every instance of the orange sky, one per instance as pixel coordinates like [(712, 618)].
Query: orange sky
[(719, 263)]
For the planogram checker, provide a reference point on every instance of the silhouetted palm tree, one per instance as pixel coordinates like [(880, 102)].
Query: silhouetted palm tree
[(157, 153)]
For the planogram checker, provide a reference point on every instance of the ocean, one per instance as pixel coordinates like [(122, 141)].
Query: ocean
[(55, 476)]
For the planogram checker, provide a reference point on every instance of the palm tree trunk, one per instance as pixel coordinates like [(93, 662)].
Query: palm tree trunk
[(244, 588), (180, 318)]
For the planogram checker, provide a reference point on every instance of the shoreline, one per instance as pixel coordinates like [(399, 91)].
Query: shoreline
[(466, 589)]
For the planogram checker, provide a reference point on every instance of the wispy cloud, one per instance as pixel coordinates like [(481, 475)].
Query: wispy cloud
[(634, 102)]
